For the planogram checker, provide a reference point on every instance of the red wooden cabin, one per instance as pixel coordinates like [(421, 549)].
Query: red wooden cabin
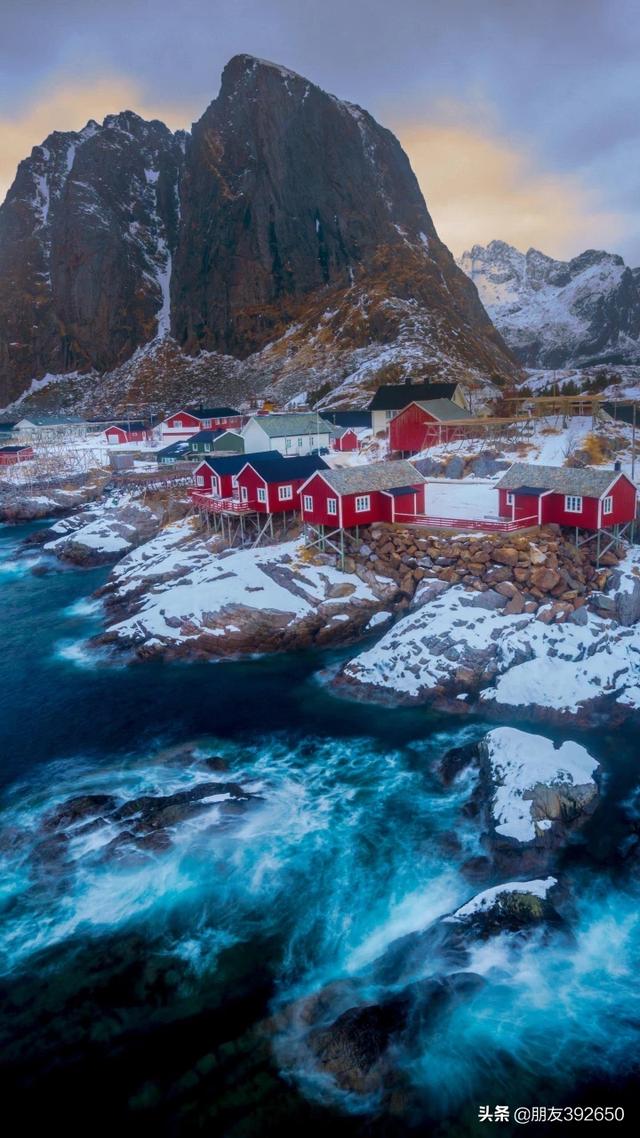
[(272, 485), (360, 495), (9, 455), (183, 423), (348, 439), (426, 423), (218, 475), (581, 498), (134, 432)]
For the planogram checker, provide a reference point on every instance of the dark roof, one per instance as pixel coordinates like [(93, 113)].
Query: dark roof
[(125, 424), (398, 491), (586, 482), (232, 463), (530, 491), (179, 448), (348, 418), (206, 436), (395, 397), (373, 476), (286, 468), (14, 449), (211, 412), (620, 411)]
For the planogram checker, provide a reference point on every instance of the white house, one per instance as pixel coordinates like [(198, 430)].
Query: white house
[(289, 434), (50, 428)]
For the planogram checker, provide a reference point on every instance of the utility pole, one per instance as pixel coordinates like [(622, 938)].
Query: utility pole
[(633, 443)]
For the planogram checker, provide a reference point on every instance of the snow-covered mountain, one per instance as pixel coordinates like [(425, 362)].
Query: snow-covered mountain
[(555, 314), (287, 229)]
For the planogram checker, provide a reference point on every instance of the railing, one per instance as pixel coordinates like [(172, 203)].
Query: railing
[(220, 505), (476, 524)]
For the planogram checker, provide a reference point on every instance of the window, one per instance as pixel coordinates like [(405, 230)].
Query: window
[(262, 494), (207, 448), (287, 443), (307, 502), (299, 442), (206, 422), (234, 482), (363, 503), (177, 424), (244, 494), (199, 480), (332, 505), (285, 493), (510, 498), (573, 503), (607, 505)]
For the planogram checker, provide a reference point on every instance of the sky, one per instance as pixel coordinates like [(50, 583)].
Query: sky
[(520, 117)]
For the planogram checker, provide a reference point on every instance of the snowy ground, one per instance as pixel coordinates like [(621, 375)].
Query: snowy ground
[(470, 498)]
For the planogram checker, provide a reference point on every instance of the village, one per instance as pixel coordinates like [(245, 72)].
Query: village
[(254, 474)]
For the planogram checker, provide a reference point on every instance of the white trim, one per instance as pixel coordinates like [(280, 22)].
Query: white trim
[(305, 500), (573, 498), (544, 494), (284, 497), (334, 500), (261, 490), (362, 498), (608, 498)]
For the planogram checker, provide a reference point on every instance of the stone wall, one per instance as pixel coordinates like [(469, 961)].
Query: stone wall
[(539, 572)]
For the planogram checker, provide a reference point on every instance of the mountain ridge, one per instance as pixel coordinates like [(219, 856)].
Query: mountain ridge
[(283, 203)]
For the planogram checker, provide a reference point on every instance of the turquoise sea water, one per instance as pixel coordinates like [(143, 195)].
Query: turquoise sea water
[(135, 994)]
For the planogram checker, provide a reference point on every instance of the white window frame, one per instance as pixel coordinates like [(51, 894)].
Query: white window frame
[(177, 424), (244, 494), (307, 502), (363, 503), (510, 498), (285, 493), (607, 504), (206, 423), (234, 481), (332, 506), (262, 494), (199, 480), (300, 442), (573, 503), (288, 443)]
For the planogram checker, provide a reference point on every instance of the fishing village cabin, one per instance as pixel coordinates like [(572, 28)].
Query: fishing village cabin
[(581, 498), (181, 424), (217, 474), (361, 495), (426, 423), (272, 485), (10, 455), (126, 432), (390, 399)]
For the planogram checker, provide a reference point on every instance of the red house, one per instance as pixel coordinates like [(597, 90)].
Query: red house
[(580, 498), (360, 495), (127, 432), (272, 485), (9, 455), (218, 475), (346, 439), (189, 421), (425, 423)]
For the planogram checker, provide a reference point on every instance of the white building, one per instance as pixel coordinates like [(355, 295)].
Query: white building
[(50, 428), (289, 434)]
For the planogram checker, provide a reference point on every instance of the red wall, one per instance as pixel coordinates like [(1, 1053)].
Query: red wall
[(17, 456), (189, 422), (624, 503), (381, 506), (346, 442), (406, 506), (251, 481), (321, 492), (414, 429), (553, 511)]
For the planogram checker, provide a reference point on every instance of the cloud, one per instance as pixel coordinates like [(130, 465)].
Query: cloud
[(64, 105), (479, 186)]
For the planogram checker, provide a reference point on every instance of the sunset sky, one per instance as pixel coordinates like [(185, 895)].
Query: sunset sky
[(521, 120)]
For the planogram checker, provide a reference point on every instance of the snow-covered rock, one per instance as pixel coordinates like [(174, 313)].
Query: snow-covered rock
[(176, 596), (105, 531), (451, 645), (558, 313), (512, 897)]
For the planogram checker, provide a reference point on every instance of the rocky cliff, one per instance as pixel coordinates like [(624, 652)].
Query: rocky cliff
[(556, 314), (287, 222)]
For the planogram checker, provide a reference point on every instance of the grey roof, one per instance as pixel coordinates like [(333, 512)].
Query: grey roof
[(305, 423), (443, 409), (393, 397), (564, 479), (374, 476)]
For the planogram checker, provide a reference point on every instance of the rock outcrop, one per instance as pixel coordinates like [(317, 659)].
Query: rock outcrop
[(285, 211)]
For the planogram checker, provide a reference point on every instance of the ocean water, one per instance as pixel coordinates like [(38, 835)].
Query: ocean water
[(152, 993)]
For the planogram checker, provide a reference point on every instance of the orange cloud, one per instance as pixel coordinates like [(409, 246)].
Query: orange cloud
[(68, 106), (478, 187)]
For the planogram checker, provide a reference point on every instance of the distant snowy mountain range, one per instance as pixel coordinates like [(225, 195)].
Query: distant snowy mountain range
[(556, 314)]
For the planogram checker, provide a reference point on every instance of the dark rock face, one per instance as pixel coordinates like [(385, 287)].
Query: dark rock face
[(86, 236), (559, 313), (284, 203)]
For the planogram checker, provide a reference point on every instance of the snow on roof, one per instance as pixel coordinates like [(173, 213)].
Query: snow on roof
[(563, 479), (374, 476)]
